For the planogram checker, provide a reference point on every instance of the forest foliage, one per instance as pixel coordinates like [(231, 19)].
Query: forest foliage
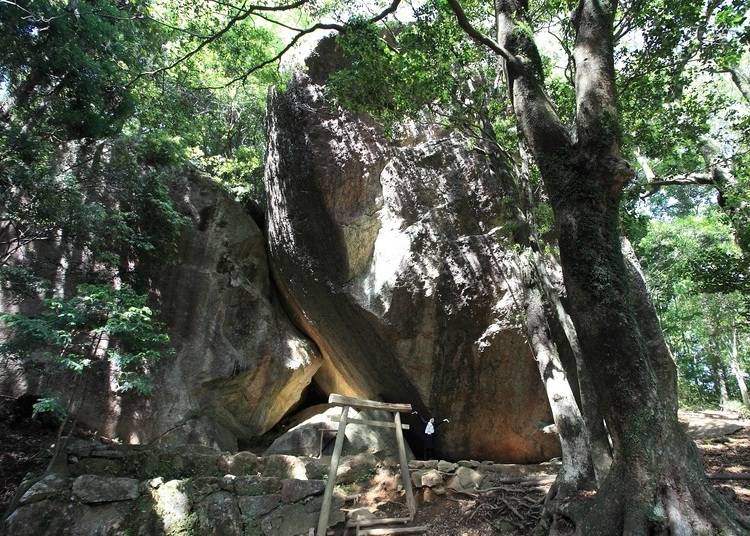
[(101, 102)]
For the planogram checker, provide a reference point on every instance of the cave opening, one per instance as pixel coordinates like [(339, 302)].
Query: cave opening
[(309, 429)]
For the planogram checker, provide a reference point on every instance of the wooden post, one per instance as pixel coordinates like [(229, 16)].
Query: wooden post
[(325, 509), (405, 477)]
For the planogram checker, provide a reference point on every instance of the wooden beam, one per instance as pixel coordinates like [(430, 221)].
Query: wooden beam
[(370, 522), (405, 476), (325, 509), (393, 530), (360, 403), (382, 424)]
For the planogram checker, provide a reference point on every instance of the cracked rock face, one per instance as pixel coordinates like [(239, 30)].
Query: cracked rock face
[(239, 364), (385, 251)]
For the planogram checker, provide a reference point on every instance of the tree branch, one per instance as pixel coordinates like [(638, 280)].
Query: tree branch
[(244, 11), (477, 36), (596, 96), (537, 119), (300, 34)]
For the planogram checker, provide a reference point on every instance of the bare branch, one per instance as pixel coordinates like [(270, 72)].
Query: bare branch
[(301, 33), (689, 179)]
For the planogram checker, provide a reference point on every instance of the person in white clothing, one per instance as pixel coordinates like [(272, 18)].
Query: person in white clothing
[(430, 434)]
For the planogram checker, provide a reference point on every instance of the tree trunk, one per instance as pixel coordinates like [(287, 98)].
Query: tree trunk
[(656, 483), (598, 437), (734, 364), (723, 392), (740, 83), (534, 293), (651, 332), (577, 471)]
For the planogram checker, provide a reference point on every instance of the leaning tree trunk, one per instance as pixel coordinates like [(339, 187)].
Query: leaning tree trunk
[(577, 471), (734, 364), (534, 294), (598, 437)]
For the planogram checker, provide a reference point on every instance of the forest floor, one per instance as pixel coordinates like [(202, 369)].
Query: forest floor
[(514, 509), (510, 510)]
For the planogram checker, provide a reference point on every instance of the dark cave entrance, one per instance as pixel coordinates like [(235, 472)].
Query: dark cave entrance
[(313, 401)]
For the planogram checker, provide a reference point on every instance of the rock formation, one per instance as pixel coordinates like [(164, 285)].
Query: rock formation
[(303, 438), (239, 364), (386, 253)]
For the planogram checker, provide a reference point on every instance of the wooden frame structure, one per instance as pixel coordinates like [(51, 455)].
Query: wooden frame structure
[(396, 410)]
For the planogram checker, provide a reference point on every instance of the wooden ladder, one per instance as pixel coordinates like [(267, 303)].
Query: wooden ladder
[(396, 410)]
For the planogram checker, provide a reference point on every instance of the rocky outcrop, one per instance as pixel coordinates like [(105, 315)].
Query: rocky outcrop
[(385, 250), (239, 364)]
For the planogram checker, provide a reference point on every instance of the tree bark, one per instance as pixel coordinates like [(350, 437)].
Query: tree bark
[(577, 471), (734, 364), (650, 330)]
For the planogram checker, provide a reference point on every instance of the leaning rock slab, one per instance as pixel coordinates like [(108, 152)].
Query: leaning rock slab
[(446, 467), (100, 489), (432, 478), (386, 251)]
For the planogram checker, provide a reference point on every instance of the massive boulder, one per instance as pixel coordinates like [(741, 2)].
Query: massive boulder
[(386, 251), (239, 364)]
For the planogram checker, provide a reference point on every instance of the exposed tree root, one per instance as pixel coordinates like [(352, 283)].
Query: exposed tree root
[(679, 503)]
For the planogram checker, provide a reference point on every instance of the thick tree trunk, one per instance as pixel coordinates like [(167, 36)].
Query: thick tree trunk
[(656, 483)]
